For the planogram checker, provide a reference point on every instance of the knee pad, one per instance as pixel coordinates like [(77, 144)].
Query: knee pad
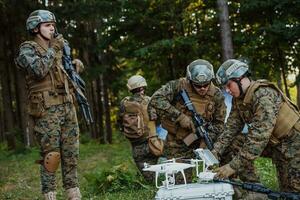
[(51, 161)]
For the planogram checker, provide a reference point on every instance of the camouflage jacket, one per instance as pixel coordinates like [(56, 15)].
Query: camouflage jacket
[(164, 99), (35, 65), (263, 112)]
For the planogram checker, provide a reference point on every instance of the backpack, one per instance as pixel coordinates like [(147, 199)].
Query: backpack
[(135, 123), (135, 119)]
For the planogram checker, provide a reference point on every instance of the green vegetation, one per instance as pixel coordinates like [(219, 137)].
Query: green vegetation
[(105, 172)]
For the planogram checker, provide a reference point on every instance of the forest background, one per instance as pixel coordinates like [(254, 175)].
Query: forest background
[(155, 38)]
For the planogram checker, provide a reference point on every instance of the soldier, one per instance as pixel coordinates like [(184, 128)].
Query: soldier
[(273, 123), (138, 127), (50, 95), (207, 99)]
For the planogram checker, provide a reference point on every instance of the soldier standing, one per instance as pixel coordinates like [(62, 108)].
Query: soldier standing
[(207, 99), (273, 123), (139, 127), (51, 104)]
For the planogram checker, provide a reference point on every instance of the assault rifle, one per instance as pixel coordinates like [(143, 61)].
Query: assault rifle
[(77, 82), (262, 189), (198, 122)]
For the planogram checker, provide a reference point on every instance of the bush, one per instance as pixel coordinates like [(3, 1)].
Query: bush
[(116, 179)]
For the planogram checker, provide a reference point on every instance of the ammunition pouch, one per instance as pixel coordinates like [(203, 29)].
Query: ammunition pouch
[(36, 105), (39, 102)]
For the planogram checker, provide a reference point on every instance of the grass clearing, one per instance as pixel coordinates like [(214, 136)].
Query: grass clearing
[(19, 177)]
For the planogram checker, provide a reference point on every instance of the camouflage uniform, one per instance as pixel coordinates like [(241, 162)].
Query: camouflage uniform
[(168, 106), (140, 148), (261, 114), (51, 105)]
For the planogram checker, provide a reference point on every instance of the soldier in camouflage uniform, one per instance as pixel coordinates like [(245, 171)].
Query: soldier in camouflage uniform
[(50, 96), (208, 101), (273, 122), (136, 124)]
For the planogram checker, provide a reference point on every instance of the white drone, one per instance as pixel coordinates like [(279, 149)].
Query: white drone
[(170, 168)]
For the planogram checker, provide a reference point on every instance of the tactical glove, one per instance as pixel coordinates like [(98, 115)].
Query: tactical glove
[(57, 43), (224, 172), (79, 67), (186, 122)]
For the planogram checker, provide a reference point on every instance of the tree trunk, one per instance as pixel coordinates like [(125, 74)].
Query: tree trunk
[(283, 71), (107, 114), (6, 92), (298, 94), (8, 110), (225, 31), (100, 108), (93, 106)]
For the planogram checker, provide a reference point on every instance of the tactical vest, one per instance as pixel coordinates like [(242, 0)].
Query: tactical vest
[(287, 118), (205, 106), (135, 119), (53, 89)]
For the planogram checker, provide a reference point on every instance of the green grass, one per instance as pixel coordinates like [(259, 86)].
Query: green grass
[(19, 176)]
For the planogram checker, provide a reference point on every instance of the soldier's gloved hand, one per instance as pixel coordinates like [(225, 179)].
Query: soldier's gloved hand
[(186, 122), (79, 67), (224, 172), (57, 43)]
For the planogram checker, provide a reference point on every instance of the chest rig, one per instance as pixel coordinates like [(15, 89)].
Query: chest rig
[(205, 106), (287, 118), (54, 88)]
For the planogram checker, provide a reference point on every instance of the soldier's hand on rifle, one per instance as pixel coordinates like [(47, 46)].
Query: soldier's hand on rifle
[(186, 122), (57, 43), (79, 67), (224, 172)]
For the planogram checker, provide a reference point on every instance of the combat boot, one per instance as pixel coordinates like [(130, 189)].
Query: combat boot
[(73, 194), (50, 195)]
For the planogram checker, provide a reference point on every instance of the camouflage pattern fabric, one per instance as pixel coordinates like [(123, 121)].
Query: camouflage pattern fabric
[(263, 113), (57, 128), (58, 131), (141, 154), (246, 174), (35, 66), (140, 150), (163, 101)]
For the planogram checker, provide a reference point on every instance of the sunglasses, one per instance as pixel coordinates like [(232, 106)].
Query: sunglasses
[(201, 86)]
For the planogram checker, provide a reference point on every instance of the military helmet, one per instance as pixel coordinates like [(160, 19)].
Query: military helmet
[(200, 72), (136, 81), (37, 17), (231, 69)]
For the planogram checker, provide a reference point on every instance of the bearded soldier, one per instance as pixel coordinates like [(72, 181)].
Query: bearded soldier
[(273, 124), (51, 103), (205, 96), (139, 127)]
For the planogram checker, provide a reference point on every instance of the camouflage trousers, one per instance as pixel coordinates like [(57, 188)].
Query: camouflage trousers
[(286, 157), (57, 130), (177, 149), (141, 154)]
